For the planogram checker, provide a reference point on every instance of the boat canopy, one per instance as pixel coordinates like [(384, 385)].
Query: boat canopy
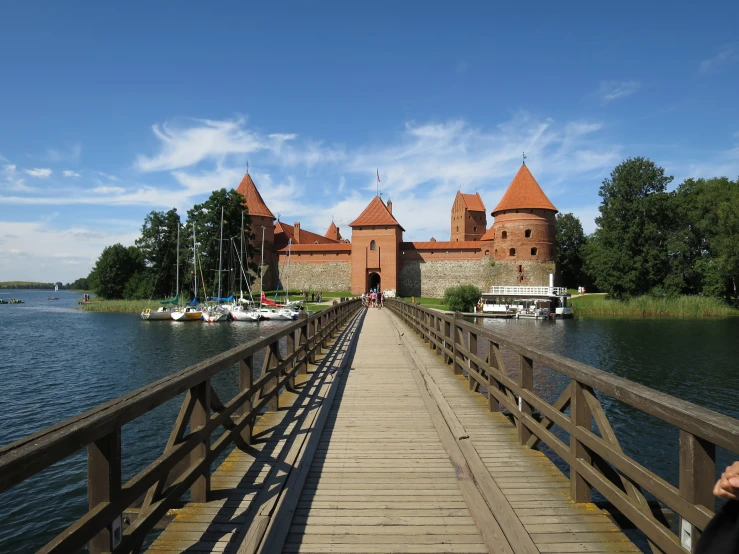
[(228, 299), (171, 301), (194, 302)]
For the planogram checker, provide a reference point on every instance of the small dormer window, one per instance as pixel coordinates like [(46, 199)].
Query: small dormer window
[(373, 245)]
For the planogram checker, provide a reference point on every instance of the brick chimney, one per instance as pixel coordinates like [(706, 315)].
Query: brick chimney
[(296, 232), (390, 206)]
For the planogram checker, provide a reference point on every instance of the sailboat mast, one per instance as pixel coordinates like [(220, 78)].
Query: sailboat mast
[(194, 262), (261, 273), (241, 251), (177, 292), (220, 257)]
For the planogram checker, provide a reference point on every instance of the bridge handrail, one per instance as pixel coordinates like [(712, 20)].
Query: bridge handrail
[(163, 482), (595, 460)]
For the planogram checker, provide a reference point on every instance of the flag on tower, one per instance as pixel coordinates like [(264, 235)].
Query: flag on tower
[(378, 175)]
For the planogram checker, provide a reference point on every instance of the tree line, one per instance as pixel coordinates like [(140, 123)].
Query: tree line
[(651, 241), (148, 269)]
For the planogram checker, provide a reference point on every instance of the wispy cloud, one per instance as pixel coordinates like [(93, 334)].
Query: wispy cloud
[(67, 154), (40, 172), (729, 55), (613, 90), (70, 173), (11, 179)]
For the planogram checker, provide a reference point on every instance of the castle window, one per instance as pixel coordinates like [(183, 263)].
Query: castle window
[(487, 252), (520, 269), (474, 229), (373, 245), (512, 252), (533, 251), (504, 235), (457, 228), (527, 233)]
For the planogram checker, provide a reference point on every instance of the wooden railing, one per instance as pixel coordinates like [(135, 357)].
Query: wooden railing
[(596, 460), (186, 461)]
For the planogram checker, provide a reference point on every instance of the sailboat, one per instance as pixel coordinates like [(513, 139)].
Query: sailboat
[(190, 311), (269, 310), (165, 311), (243, 310), (216, 313)]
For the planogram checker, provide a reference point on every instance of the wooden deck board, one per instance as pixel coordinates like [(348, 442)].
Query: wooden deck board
[(380, 478)]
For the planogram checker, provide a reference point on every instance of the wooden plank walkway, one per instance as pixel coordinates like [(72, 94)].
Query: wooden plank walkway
[(389, 453)]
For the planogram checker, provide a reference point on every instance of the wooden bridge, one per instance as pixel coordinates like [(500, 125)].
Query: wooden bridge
[(395, 430)]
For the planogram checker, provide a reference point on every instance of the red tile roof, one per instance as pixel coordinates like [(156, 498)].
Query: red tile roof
[(333, 232), (285, 232), (376, 213), (524, 193), (446, 245), (334, 247), (489, 235), (472, 201), (254, 201)]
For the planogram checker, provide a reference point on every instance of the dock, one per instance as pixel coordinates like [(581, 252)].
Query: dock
[(400, 430)]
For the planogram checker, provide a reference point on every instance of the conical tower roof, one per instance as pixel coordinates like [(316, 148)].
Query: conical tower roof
[(375, 214), (254, 201), (333, 232), (524, 193)]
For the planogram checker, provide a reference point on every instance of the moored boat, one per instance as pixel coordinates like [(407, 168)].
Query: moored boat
[(160, 314), (188, 313)]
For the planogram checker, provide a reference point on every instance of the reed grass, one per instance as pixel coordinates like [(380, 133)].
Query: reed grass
[(119, 306), (648, 306)]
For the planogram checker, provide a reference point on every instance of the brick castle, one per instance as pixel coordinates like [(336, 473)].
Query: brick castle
[(518, 249)]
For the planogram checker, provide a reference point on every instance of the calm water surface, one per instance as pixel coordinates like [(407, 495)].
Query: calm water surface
[(58, 361)]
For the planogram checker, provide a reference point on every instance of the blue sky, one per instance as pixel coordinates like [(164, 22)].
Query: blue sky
[(108, 111)]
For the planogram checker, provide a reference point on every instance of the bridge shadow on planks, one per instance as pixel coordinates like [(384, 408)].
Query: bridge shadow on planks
[(249, 481)]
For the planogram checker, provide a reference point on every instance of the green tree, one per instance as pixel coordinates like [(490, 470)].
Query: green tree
[(80, 284), (113, 269), (461, 298), (570, 239), (627, 255), (158, 245), (206, 218)]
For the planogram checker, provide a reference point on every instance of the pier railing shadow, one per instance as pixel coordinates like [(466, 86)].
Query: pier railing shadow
[(596, 460), (185, 464)]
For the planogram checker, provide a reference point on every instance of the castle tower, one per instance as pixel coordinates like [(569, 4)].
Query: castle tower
[(262, 218), (468, 217), (524, 233), (376, 238)]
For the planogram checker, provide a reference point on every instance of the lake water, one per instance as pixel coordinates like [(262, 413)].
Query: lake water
[(58, 361)]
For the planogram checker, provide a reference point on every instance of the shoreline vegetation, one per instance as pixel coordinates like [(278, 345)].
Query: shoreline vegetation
[(649, 306), (137, 306)]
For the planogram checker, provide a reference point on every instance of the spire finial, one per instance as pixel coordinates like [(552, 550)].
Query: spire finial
[(247, 167), (278, 217), (524, 158)]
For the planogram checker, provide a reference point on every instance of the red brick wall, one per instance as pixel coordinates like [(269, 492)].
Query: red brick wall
[(510, 229), (382, 260), (466, 225)]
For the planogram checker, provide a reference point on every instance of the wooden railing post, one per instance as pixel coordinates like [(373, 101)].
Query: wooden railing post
[(271, 361), (246, 380), (473, 365), (581, 416), (289, 351), (447, 336), (199, 419), (697, 475), (456, 341), (526, 382), (303, 341), (493, 404), (104, 485)]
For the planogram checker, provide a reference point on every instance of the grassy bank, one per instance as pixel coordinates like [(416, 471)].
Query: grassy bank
[(647, 306), (435, 303), (119, 306)]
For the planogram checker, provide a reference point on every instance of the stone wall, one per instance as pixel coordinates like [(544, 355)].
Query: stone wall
[(432, 278), (320, 276), (522, 273)]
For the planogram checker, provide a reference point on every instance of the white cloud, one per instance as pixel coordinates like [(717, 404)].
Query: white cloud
[(727, 56), (11, 180), (68, 154), (613, 90), (108, 190), (33, 250), (40, 172), (70, 173)]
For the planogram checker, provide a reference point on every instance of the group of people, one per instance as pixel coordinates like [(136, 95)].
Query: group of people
[(373, 299), (313, 296)]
